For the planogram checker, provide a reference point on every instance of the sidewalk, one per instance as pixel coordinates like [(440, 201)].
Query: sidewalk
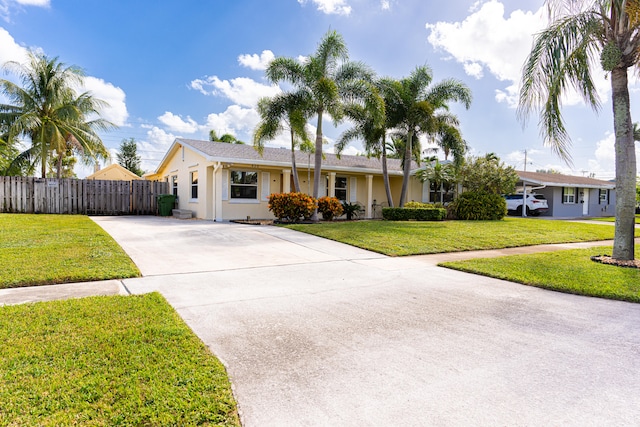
[(116, 287)]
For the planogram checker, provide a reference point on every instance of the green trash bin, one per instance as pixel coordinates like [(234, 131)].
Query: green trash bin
[(166, 202)]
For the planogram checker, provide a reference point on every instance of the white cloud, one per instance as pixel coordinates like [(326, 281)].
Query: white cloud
[(485, 38), (235, 120), (242, 90), (11, 51), (255, 61), (176, 123), (7, 5), (473, 69), (116, 111), (385, 4), (331, 7)]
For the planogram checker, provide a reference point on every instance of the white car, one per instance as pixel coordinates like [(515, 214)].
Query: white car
[(536, 204)]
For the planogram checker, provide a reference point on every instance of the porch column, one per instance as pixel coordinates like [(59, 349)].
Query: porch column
[(218, 183), (286, 180), (369, 196), (332, 184)]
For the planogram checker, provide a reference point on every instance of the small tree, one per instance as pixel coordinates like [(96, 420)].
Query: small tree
[(488, 175), (128, 156)]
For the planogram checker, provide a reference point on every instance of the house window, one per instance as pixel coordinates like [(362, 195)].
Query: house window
[(174, 185), (244, 185), (568, 195), (341, 188), (194, 184), (604, 197)]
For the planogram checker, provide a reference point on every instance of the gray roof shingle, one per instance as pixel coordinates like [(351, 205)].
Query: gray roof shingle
[(559, 180), (220, 151)]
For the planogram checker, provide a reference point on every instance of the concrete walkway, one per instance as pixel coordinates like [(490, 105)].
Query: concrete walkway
[(314, 332)]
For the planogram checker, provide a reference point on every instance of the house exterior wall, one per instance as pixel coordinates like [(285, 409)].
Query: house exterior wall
[(180, 165), (570, 210), (214, 200)]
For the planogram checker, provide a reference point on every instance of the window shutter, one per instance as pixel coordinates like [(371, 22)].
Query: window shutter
[(225, 184), (353, 189), (426, 187), (322, 191), (563, 199), (266, 186)]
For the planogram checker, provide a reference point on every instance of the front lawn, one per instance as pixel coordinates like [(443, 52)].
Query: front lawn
[(50, 249), (107, 361), (398, 238), (570, 271), (613, 219)]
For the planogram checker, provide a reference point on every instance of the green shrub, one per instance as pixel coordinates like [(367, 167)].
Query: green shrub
[(418, 214), (352, 209), (419, 205), (329, 207), (291, 207), (479, 206)]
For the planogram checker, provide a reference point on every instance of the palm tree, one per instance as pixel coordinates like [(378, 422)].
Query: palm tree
[(450, 140), (47, 110), (286, 111), (438, 174), (370, 124), (323, 80), (415, 107), (579, 33), (226, 138)]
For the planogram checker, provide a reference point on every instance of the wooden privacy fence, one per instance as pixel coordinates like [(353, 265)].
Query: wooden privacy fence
[(79, 196)]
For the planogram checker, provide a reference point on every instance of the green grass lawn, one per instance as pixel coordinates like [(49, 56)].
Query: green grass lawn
[(106, 361), (398, 238), (613, 219), (49, 249), (570, 271)]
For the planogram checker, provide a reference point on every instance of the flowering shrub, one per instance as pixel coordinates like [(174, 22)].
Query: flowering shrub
[(329, 207), (291, 207)]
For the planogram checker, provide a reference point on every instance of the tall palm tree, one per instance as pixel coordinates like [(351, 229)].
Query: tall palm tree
[(286, 111), (47, 110), (418, 107), (580, 33), (450, 141), (370, 124), (324, 80)]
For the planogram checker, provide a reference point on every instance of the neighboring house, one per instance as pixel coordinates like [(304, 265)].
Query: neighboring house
[(221, 181), (114, 172), (571, 196)]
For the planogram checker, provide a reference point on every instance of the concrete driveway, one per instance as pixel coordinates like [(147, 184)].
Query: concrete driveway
[(316, 333)]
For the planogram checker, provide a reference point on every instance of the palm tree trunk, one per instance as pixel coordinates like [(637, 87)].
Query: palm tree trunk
[(294, 168), (623, 244), (43, 153), (59, 166), (317, 166), (407, 168), (385, 173)]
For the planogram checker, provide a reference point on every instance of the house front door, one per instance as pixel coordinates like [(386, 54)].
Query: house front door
[(585, 202)]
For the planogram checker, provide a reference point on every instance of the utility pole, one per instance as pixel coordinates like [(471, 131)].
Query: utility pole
[(525, 160)]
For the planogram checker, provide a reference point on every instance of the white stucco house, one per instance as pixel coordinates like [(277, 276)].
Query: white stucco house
[(221, 181)]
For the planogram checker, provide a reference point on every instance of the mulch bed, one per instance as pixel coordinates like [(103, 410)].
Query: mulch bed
[(607, 259)]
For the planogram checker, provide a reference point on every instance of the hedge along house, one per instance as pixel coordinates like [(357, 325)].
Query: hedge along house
[(571, 196), (220, 181)]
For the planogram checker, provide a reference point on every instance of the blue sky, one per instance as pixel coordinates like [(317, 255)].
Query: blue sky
[(180, 68)]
